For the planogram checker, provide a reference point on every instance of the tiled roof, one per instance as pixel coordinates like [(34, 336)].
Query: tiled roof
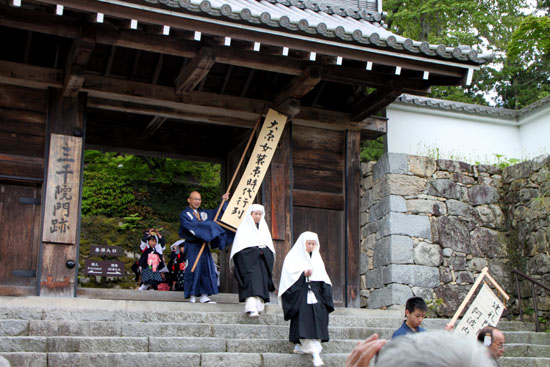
[(470, 108), (324, 20)]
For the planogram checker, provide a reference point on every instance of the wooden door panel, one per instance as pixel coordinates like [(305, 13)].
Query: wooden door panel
[(228, 284), (19, 242)]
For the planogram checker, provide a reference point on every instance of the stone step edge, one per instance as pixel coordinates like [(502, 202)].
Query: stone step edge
[(223, 324), (152, 305), (181, 323), (209, 353), (166, 353), (257, 321), (44, 313), (206, 338)]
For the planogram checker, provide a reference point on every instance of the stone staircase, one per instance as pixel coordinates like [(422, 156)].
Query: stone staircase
[(39, 332)]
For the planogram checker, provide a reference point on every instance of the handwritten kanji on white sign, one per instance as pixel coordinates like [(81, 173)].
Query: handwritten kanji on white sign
[(485, 310)]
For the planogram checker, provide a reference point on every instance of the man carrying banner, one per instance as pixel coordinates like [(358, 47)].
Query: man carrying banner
[(200, 232)]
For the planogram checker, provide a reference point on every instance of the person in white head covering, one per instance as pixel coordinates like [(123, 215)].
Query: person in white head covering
[(253, 255), (305, 292)]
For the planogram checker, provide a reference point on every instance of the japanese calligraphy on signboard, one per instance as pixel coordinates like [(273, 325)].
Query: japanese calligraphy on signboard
[(104, 267), (63, 183), (99, 250), (256, 168), (485, 310)]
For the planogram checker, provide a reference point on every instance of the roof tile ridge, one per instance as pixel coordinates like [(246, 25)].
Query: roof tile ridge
[(331, 9)]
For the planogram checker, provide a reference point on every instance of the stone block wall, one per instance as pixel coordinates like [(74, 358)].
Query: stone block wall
[(526, 205), (428, 229)]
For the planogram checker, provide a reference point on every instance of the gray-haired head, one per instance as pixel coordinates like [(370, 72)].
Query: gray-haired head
[(434, 349)]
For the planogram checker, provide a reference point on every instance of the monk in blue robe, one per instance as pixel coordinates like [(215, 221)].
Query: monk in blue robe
[(197, 227)]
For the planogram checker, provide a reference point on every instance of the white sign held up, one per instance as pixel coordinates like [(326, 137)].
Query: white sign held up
[(484, 311)]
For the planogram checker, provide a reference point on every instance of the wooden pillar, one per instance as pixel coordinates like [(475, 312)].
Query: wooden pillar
[(277, 201), (58, 261), (353, 239)]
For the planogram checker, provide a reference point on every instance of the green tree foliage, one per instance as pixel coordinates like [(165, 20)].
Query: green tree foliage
[(454, 22), (106, 194), (527, 67), (520, 71), (121, 185), (372, 150)]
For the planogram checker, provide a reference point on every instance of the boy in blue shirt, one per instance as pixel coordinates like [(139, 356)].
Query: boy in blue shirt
[(415, 311)]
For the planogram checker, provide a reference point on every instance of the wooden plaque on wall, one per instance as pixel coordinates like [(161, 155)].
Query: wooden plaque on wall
[(63, 183)]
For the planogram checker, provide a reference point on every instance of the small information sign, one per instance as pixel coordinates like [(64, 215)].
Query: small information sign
[(106, 268), (98, 250)]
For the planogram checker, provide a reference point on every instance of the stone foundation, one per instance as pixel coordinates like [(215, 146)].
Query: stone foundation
[(430, 226)]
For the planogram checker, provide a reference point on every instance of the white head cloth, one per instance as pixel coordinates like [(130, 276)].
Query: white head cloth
[(158, 247), (175, 246), (298, 260), (248, 235)]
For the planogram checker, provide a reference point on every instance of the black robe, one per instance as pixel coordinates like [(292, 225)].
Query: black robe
[(307, 321), (253, 272)]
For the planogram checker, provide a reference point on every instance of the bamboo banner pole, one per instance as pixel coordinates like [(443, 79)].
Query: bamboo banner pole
[(237, 171), (498, 287), (484, 272), (198, 257)]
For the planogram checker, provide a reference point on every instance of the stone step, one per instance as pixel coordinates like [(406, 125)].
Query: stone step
[(267, 318), (42, 308), (524, 362), (167, 359), (527, 350), (79, 344), (133, 329), (527, 337), (202, 360), (504, 325), (272, 316), (42, 303)]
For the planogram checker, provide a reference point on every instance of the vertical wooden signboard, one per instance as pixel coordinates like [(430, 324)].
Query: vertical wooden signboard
[(61, 202), (257, 166), (61, 211)]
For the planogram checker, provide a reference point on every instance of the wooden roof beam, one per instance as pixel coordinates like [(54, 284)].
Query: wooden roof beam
[(138, 39), (377, 100), (192, 73), (155, 124), (300, 85), (77, 60), (142, 98)]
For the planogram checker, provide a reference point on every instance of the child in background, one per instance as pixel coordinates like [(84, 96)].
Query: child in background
[(415, 311), (152, 264), (177, 265)]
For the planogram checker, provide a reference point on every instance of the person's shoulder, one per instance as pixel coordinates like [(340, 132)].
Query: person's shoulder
[(402, 330), (187, 212)]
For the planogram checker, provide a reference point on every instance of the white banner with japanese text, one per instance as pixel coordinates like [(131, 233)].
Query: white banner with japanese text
[(257, 166), (62, 194), (485, 310)]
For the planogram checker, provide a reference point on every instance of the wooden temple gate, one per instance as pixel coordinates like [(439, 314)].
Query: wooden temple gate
[(189, 80)]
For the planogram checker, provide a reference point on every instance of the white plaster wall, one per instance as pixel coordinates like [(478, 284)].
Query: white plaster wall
[(534, 132), (449, 135)]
